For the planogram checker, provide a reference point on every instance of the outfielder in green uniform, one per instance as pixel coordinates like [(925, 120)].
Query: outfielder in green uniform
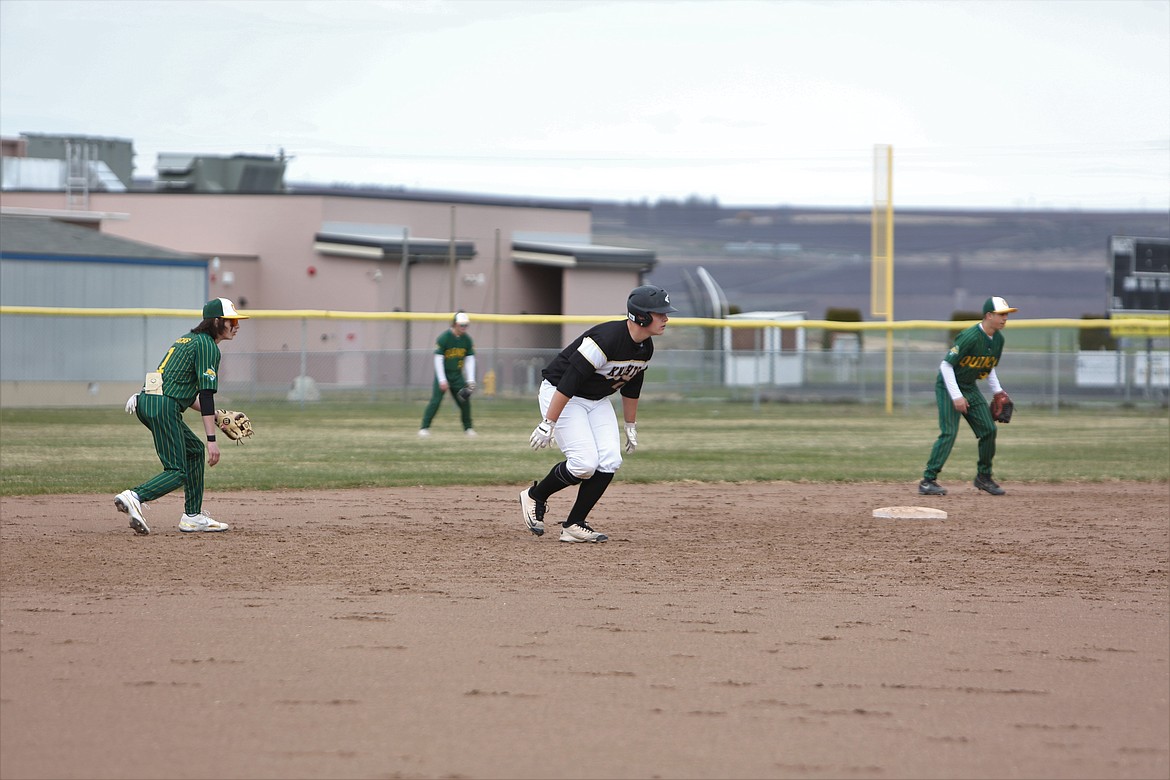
[(187, 376), (974, 356), (454, 373)]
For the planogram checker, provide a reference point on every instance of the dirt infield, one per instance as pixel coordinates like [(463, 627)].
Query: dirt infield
[(725, 631)]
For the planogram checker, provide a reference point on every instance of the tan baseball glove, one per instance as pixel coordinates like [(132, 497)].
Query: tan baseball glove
[(235, 425)]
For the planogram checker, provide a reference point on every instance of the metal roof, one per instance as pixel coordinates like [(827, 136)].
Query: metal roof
[(356, 244), (580, 255), (30, 237)]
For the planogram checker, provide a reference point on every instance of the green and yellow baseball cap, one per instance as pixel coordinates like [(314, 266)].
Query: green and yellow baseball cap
[(222, 308), (997, 305)]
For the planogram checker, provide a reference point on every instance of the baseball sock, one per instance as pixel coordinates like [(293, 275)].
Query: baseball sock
[(558, 478), (587, 497)]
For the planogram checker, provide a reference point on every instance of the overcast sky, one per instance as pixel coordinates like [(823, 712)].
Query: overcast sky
[(1018, 104)]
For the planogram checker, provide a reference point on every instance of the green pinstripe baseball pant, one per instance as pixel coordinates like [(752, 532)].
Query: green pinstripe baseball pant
[(179, 449), (437, 399), (978, 416)]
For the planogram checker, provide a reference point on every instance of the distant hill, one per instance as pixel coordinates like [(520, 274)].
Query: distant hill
[(1047, 263)]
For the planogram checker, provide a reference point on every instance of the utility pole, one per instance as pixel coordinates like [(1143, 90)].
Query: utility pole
[(451, 258)]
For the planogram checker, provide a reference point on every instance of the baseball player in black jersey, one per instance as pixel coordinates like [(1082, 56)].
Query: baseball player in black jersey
[(579, 417)]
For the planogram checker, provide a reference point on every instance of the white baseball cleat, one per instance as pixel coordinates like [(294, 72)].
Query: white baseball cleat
[(423, 433), (201, 522), (128, 502), (533, 512), (581, 532), (470, 433)]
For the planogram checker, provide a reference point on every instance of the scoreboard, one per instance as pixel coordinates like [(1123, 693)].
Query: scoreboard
[(1139, 275)]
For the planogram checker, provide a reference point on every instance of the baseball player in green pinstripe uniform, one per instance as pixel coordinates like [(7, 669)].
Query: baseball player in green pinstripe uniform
[(454, 362), (974, 356), (187, 376)]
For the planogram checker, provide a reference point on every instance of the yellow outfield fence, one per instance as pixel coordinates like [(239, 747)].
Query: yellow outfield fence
[(1156, 325)]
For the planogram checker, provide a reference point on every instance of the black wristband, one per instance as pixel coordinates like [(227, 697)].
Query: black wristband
[(211, 437)]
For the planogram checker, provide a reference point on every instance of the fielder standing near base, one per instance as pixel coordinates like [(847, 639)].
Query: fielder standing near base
[(974, 356), (188, 376), (577, 414)]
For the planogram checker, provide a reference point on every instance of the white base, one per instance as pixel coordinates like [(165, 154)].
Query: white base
[(910, 513)]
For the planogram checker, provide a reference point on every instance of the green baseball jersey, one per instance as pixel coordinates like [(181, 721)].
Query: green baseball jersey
[(190, 365), (453, 349), (973, 355)]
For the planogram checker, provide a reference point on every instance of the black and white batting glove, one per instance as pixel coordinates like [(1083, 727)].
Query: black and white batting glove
[(471, 385), (631, 438), (132, 404), (542, 435)]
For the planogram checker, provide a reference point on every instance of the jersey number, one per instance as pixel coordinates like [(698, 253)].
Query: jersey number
[(163, 365)]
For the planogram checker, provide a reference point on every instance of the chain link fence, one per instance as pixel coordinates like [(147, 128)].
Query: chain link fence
[(79, 357), (1035, 377)]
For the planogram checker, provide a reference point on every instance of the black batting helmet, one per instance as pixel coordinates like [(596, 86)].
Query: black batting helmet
[(646, 299)]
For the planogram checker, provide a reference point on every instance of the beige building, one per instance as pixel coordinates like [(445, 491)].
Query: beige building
[(361, 252), (346, 252)]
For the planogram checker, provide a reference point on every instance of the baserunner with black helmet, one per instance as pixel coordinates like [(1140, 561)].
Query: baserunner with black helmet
[(579, 418)]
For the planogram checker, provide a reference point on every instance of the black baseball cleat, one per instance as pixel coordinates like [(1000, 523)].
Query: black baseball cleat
[(985, 482), (928, 487)]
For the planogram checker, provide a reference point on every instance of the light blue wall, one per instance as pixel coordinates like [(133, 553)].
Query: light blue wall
[(93, 349)]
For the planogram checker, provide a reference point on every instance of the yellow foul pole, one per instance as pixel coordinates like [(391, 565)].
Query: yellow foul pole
[(882, 250)]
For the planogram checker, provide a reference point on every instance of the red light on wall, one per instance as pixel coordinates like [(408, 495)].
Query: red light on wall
[(312, 270)]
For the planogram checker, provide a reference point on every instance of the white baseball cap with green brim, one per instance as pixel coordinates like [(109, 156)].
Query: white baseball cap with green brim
[(222, 308)]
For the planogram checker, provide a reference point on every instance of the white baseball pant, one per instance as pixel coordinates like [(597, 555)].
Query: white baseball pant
[(587, 433)]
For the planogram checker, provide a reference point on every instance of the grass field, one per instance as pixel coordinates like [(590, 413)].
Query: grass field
[(326, 445)]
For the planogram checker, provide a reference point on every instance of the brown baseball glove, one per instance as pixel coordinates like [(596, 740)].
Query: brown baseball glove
[(1002, 407), (235, 425)]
